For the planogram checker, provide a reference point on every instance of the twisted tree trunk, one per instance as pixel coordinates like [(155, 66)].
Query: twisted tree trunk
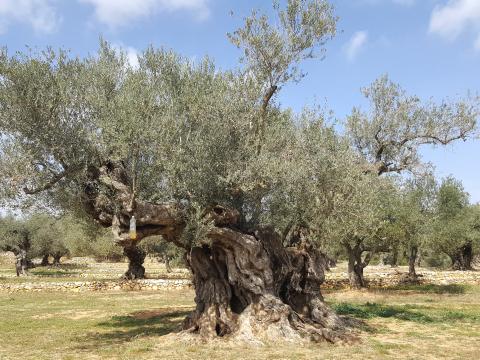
[(462, 259), (356, 265), (56, 259), (247, 284), (136, 257), (250, 286), (21, 262), (45, 260)]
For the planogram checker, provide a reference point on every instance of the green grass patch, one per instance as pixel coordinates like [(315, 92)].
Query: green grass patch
[(408, 312), (455, 289)]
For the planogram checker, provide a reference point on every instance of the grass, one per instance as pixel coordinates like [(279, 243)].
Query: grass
[(433, 288), (415, 313), (137, 324), (401, 322)]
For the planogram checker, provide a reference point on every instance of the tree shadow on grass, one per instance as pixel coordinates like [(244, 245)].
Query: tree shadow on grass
[(58, 270), (136, 325)]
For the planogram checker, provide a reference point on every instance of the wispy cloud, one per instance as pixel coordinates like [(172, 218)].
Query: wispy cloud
[(353, 47), (454, 18), (39, 14), (118, 13)]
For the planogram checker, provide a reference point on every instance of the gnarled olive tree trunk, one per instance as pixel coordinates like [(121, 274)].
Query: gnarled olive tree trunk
[(250, 286), (21, 262), (136, 257), (356, 265), (247, 284), (462, 259), (412, 260), (56, 259), (45, 260)]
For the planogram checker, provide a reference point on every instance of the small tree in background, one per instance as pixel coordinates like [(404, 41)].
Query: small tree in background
[(389, 136), (163, 251), (48, 238), (456, 230), (15, 236), (413, 214)]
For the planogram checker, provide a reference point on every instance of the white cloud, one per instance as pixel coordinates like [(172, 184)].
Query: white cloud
[(130, 52), (117, 13), (39, 14), (455, 17), (355, 44), (132, 56)]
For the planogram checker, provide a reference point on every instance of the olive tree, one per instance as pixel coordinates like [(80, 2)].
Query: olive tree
[(389, 136), (456, 230), (162, 250), (413, 216), (189, 151), (48, 237), (15, 236)]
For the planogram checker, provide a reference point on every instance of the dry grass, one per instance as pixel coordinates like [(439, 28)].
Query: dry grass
[(407, 322), (124, 325)]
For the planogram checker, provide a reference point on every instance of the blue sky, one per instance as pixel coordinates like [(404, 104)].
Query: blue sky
[(430, 47)]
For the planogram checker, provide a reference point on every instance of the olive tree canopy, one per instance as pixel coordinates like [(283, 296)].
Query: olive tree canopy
[(206, 159)]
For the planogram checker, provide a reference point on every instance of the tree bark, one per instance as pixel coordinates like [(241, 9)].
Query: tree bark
[(412, 259), (418, 262), (45, 260), (356, 266), (21, 264), (462, 259), (56, 259), (249, 286), (167, 264), (136, 257), (394, 262)]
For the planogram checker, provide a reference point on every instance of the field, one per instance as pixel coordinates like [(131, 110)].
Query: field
[(409, 322)]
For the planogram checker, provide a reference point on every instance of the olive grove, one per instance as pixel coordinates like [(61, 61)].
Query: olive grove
[(250, 192)]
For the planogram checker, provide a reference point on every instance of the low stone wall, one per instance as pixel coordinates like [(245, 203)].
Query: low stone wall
[(392, 278), (337, 278), (79, 286)]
